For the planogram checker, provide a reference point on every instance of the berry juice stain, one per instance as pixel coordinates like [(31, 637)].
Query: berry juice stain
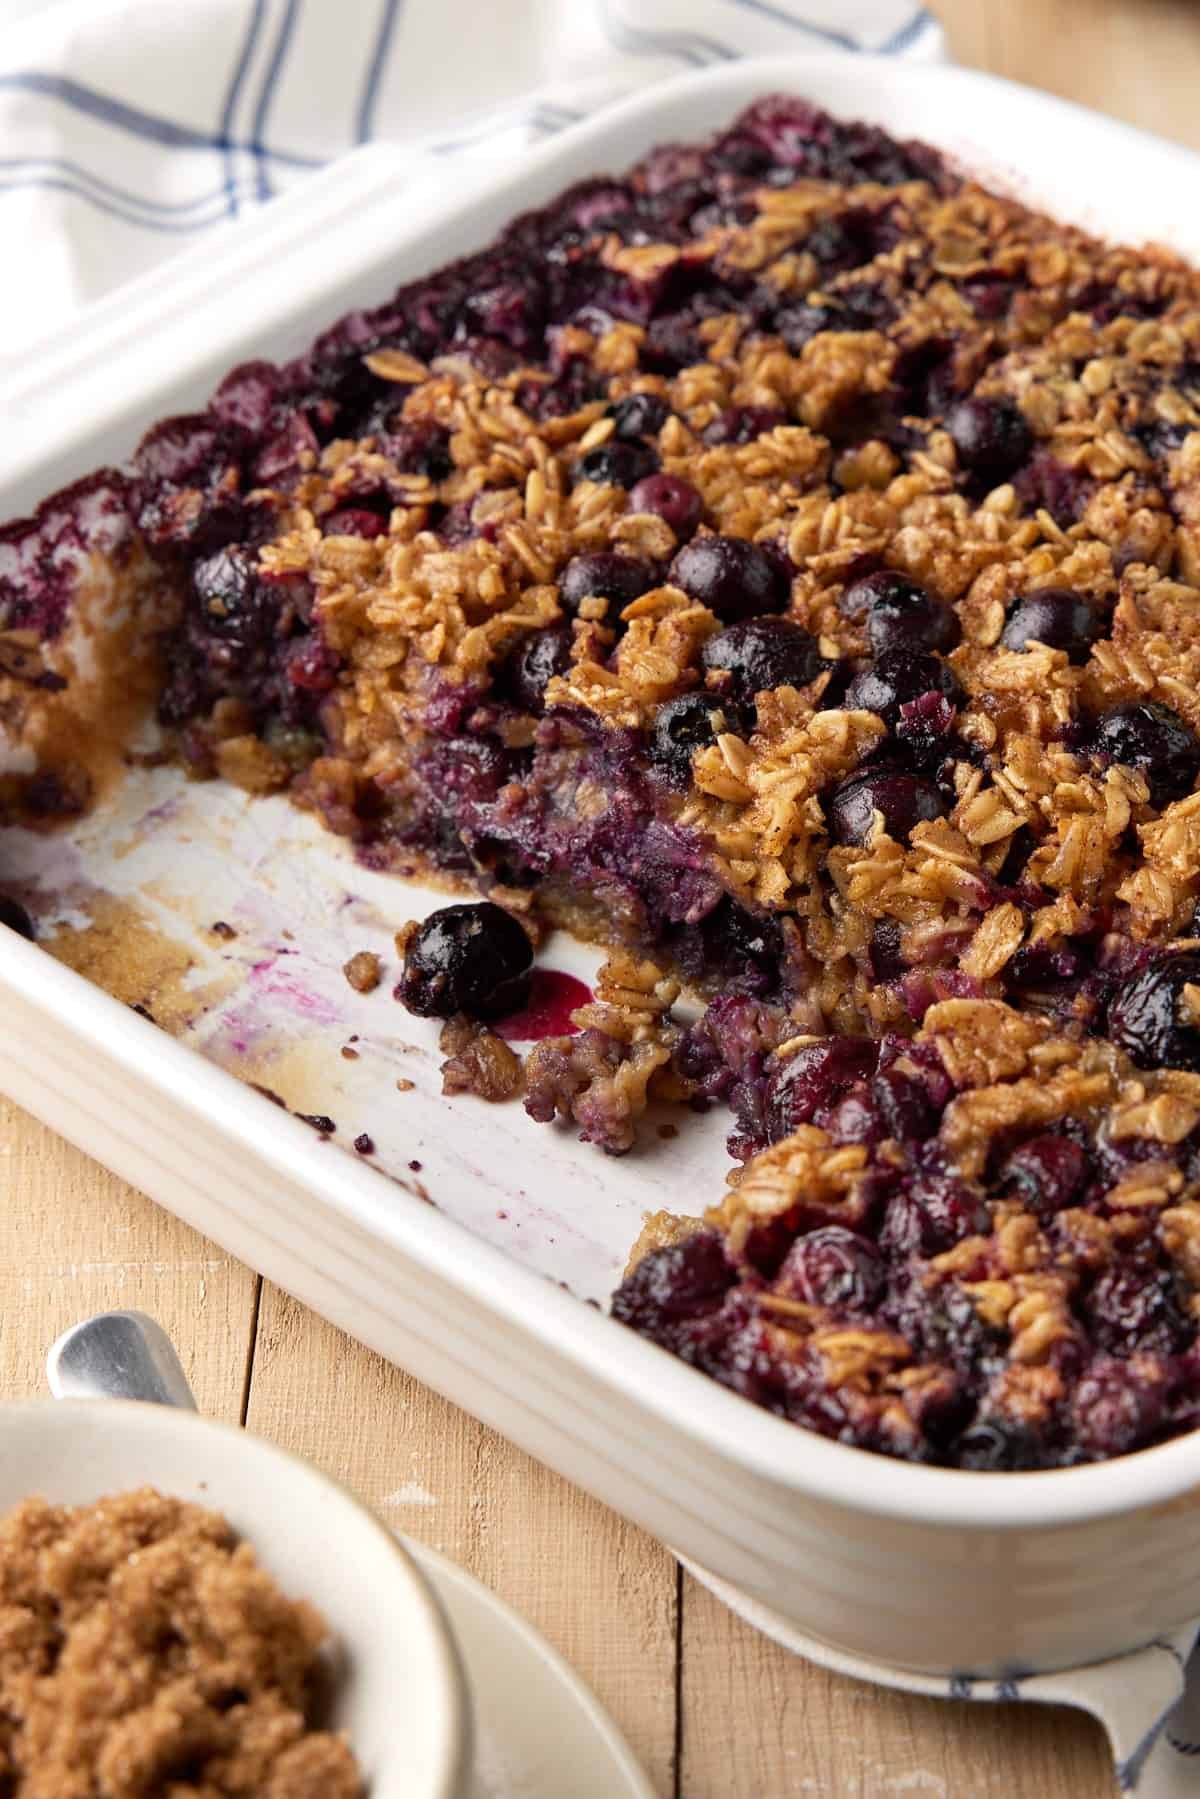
[(553, 996)]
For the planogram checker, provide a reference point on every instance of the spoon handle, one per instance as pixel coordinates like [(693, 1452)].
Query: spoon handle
[(118, 1355)]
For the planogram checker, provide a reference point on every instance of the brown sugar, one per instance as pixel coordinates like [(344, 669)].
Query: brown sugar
[(144, 1654)]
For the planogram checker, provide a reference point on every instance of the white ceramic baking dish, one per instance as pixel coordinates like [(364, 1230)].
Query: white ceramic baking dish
[(931, 1569)]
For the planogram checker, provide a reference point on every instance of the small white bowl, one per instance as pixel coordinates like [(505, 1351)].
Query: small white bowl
[(400, 1692)]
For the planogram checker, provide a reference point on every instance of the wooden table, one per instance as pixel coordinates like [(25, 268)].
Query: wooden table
[(714, 1710)]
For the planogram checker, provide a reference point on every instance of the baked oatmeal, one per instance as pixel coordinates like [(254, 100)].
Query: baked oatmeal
[(144, 1653), (781, 562)]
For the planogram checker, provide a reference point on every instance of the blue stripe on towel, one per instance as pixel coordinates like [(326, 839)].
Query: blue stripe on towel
[(375, 68), (32, 171), (907, 35), (267, 94), (233, 96), (783, 17), (689, 46), (62, 185), (1129, 1772), (546, 119), (150, 126)]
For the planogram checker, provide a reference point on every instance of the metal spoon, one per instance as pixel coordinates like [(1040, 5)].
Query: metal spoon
[(118, 1355)]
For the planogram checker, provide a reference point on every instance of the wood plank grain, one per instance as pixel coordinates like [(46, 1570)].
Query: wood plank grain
[(1137, 60), (600, 1590), (76, 1240), (758, 1721)]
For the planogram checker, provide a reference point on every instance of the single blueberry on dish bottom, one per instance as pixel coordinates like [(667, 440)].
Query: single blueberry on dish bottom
[(469, 958)]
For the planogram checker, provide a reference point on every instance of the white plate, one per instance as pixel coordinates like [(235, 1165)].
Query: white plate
[(1050, 1569), (534, 1718)]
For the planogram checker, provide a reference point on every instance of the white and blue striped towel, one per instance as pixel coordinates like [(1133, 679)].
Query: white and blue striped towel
[(129, 127)]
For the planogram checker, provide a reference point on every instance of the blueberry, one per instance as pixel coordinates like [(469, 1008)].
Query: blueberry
[(990, 294), (1048, 484), (932, 1212), (674, 1283), (746, 948), (733, 577), (16, 918), (1055, 616), (904, 800), (1046, 1173), (671, 499), (420, 448), (353, 521), (814, 1079), (761, 653), (833, 1267), (1138, 1308), (900, 614), (616, 464), (469, 958), (681, 727), (639, 415), (997, 1445), (903, 1105), (991, 437), (1116, 1406), (1150, 737), (896, 678), (1147, 1019), (798, 325), (672, 343), (534, 661), (742, 424), (602, 574), (226, 585), (887, 958)]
